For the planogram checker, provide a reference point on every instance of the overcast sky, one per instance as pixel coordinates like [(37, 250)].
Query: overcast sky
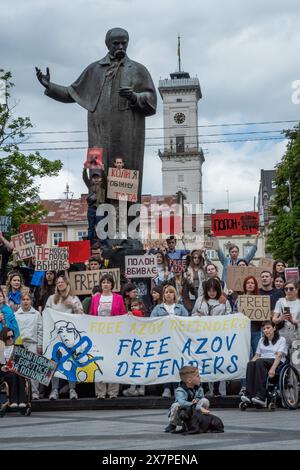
[(244, 52)]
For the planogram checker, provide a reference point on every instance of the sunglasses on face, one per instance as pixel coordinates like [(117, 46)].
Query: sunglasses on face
[(289, 289), (10, 337)]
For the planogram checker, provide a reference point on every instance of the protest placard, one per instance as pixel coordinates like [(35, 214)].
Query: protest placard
[(24, 245), (132, 350), (210, 243), (5, 223), (40, 232), (122, 184), (237, 274), (94, 158), (82, 282), (255, 307), (266, 263), (33, 366), (79, 251), (177, 265), (291, 274), (239, 223), (141, 266), (51, 258)]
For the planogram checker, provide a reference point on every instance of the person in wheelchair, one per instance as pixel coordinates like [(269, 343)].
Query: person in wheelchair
[(16, 383), (269, 358)]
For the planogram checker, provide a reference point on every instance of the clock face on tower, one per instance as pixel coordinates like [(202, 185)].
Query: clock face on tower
[(179, 118)]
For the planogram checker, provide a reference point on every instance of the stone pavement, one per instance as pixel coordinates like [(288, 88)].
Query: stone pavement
[(143, 429)]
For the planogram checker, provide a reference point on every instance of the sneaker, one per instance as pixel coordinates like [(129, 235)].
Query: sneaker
[(141, 391), (22, 405), (216, 393), (246, 399), (54, 394), (259, 401), (113, 396), (13, 405), (130, 392), (170, 428), (73, 394), (100, 397), (167, 394), (35, 396), (242, 391)]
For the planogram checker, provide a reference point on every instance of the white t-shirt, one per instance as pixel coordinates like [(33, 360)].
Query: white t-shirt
[(104, 308), (170, 309), (269, 352)]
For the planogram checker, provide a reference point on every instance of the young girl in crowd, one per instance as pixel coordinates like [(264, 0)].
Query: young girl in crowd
[(14, 287), (7, 316), (163, 274), (47, 288), (31, 332), (279, 268)]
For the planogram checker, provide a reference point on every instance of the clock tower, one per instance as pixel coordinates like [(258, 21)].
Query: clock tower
[(181, 157)]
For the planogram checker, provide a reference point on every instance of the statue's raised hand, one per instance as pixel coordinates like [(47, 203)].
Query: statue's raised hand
[(43, 79)]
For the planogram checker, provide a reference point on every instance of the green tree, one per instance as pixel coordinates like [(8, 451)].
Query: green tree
[(284, 237), (18, 189)]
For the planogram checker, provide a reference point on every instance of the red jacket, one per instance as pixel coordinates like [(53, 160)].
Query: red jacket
[(117, 307)]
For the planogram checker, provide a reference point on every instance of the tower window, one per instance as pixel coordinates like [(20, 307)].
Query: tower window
[(180, 143), (179, 100)]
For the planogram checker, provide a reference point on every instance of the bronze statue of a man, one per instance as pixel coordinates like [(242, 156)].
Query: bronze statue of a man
[(118, 94)]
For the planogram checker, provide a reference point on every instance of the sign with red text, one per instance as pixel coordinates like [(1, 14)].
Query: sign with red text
[(255, 307), (79, 251), (51, 258), (24, 245), (239, 223), (122, 184), (291, 274), (177, 265), (40, 232), (140, 266), (94, 158)]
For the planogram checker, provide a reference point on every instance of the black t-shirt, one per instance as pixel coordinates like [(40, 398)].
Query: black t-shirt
[(4, 257), (274, 295)]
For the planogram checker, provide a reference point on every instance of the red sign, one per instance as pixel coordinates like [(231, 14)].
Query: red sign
[(79, 252), (239, 223), (170, 225), (94, 158), (291, 274), (40, 232)]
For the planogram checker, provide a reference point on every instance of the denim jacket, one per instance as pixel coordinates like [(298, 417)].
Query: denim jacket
[(184, 395), (160, 311)]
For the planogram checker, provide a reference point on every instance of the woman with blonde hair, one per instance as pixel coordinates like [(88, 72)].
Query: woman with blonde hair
[(63, 301)]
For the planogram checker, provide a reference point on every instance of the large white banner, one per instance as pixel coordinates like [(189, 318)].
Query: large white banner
[(133, 350)]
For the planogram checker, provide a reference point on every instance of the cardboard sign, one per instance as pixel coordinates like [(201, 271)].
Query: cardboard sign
[(94, 158), (140, 266), (255, 307), (32, 366), (79, 251), (122, 184), (266, 264), (291, 274), (210, 243), (51, 258), (82, 282), (5, 223), (177, 265), (239, 223), (237, 274), (24, 245), (40, 232)]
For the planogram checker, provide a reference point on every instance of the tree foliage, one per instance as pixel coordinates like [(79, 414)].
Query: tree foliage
[(19, 192), (284, 237)]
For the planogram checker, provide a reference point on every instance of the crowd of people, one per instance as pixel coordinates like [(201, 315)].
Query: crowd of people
[(197, 289)]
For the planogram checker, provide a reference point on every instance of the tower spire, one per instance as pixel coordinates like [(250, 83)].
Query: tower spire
[(178, 54)]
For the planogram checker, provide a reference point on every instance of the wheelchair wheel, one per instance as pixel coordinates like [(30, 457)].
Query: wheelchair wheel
[(289, 387), (243, 406), (271, 406)]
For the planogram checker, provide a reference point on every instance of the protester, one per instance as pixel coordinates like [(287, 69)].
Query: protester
[(63, 301), (279, 268), (267, 288), (212, 272), (14, 287), (169, 306), (16, 383), (171, 252), (164, 276), (278, 284), (157, 297), (242, 262), (270, 353), (47, 288), (195, 274), (6, 249), (31, 332), (188, 393), (107, 303), (87, 301), (130, 293), (96, 185), (287, 313), (7, 316), (212, 302)]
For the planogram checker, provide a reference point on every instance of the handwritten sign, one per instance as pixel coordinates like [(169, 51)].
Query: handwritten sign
[(5, 223), (51, 258), (266, 264), (239, 223), (83, 282), (122, 184), (32, 366), (140, 266), (291, 274), (210, 243), (255, 307), (40, 232), (177, 265), (237, 274), (24, 245)]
